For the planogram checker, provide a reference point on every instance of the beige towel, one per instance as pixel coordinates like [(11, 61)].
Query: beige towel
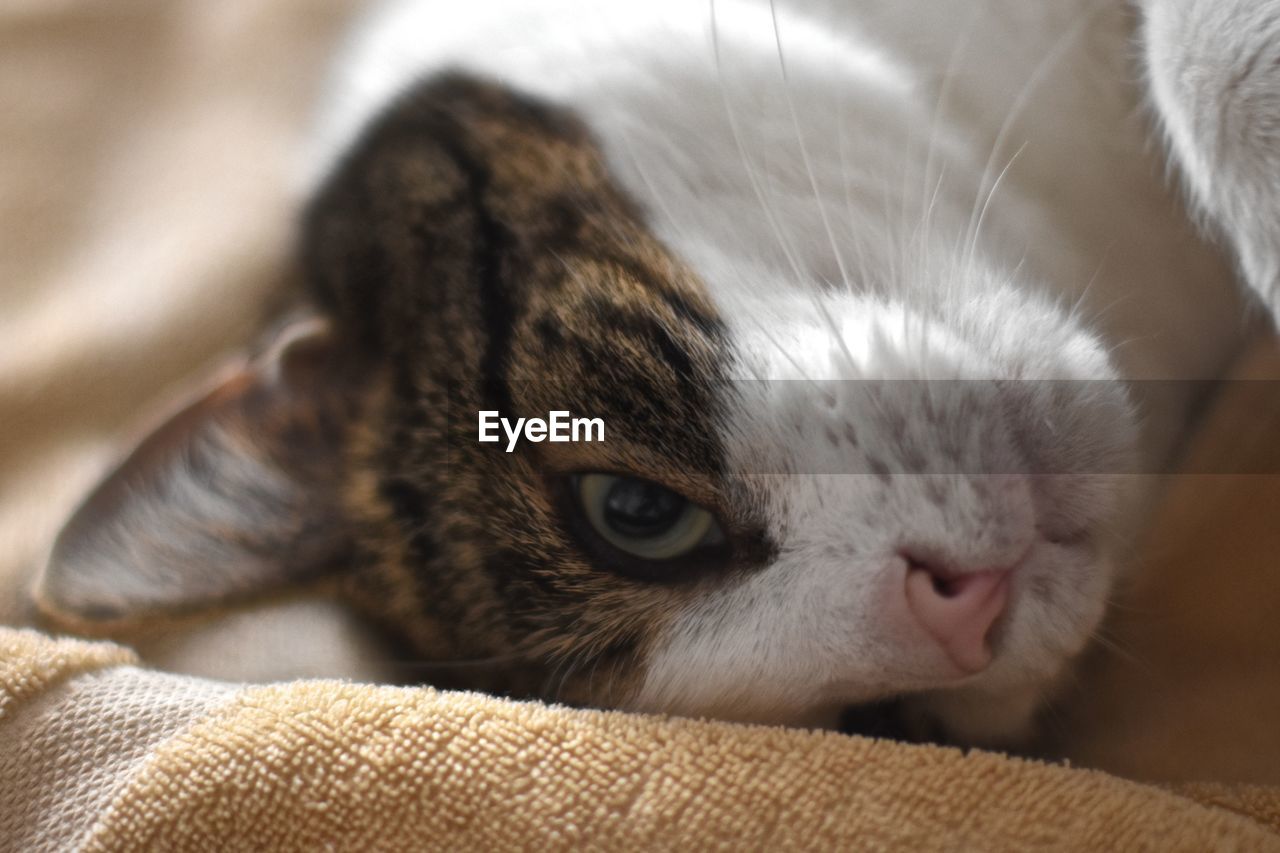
[(327, 765)]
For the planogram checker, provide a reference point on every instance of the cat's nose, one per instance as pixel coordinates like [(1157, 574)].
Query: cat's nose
[(958, 609)]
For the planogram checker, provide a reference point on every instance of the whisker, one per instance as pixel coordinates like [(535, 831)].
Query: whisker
[(982, 218), (783, 243), (577, 663), (561, 663), (1127, 655), (610, 698), (1074, 312), (1020, 102), (944, 94), (658, 197), (786, 353), (847, 185), (813, 185), (805, 159)]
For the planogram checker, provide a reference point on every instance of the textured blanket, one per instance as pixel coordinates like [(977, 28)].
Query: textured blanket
[(98, 754), (145, 151)]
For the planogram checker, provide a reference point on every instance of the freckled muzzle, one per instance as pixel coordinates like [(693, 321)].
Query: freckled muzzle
[(929, 536)]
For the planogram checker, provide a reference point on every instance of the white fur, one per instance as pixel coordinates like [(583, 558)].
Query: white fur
[(1214, 67), (896, 190), (824, 624)]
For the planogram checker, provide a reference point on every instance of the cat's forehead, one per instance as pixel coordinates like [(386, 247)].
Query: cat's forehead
[(495, 252)]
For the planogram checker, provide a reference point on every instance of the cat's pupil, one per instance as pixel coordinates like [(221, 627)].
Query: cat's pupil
[(640, 509)]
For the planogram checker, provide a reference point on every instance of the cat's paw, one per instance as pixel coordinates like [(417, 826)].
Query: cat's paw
[(1214, 70)]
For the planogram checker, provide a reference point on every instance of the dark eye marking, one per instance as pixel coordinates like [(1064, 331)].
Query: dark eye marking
[(641, 529)]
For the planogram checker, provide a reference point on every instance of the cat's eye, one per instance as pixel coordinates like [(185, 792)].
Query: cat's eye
[(644, 519)]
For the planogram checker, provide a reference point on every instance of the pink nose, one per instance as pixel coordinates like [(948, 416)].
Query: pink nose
[(958, 610)]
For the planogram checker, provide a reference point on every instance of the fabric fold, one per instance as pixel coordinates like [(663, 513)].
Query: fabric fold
[(175, 763)]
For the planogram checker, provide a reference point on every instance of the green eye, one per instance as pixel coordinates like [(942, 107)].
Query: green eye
[(644, 519)]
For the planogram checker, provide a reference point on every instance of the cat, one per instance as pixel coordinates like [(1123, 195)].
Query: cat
[(865, 294)]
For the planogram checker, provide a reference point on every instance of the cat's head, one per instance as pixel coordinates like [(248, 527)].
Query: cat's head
[(801, 502)]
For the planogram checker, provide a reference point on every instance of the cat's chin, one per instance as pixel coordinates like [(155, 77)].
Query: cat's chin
[(1003, 720), (999, 707), (986, 718), (979, 717)]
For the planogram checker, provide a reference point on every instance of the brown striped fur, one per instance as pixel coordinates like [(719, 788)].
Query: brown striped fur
[(474, 246)]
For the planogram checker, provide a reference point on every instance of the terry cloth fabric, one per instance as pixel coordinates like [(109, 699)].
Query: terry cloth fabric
[(99, 755)]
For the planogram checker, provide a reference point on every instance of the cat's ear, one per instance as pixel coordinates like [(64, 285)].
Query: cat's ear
[(236, 494)]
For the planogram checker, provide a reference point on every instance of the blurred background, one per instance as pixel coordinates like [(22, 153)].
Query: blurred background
[(148, 154)]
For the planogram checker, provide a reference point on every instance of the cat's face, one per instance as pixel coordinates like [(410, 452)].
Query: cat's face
[(801, 502)]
